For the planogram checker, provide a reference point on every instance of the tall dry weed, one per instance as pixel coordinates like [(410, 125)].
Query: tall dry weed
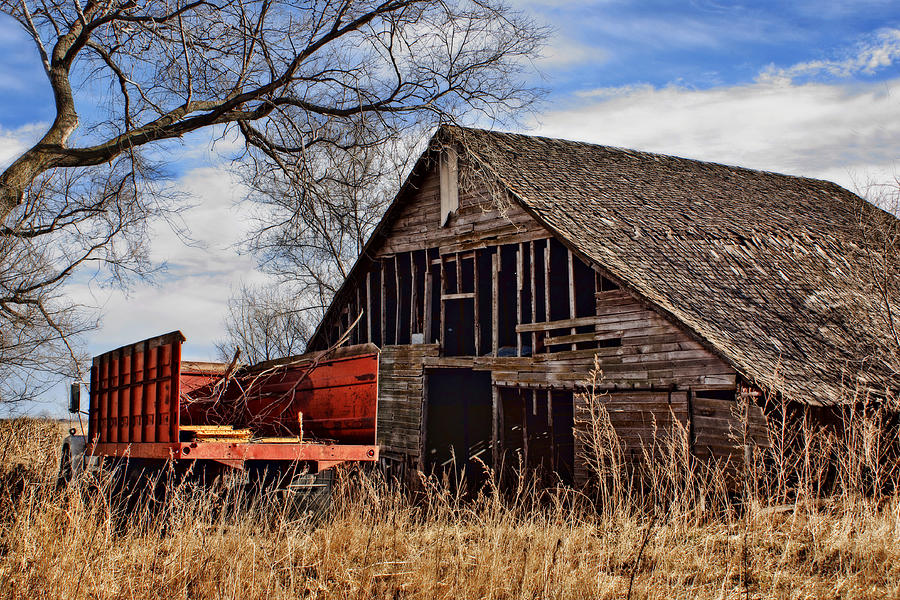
[(676, 529)]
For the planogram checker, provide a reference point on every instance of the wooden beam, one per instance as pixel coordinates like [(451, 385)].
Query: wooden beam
[(495, 305), (476, 309), (383, 303), (426, 305), (442, 324), (572, 293), (399, 304), (519, 286), (495, 428), (692, 437), (561, 324), (449, 192), (423, 420), (459, 282), (452, 254), (345, 319), (608, 335), (570, 339), (550, 412), (461, 296), (413, 297), (449, 362), (531, 273), (356, 330), (369, 306), (547, 281)]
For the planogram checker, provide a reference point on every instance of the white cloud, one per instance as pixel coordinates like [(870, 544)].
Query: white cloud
[(201, 277), (563, 52), (839, 132), (212, 145), (191, 296), (608, 93), (878, 52), (14, 142), (215, 219)]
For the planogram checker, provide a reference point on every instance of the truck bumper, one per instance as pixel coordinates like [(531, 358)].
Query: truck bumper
[(235, 454)]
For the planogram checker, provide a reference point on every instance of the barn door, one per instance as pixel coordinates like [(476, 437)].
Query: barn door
[(537, 433), (458, 423)]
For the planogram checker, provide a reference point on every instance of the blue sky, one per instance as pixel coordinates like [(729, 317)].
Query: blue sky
[(704, 44), (808, 88)]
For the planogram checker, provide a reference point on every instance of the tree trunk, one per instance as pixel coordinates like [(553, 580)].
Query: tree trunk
[(19, 175)]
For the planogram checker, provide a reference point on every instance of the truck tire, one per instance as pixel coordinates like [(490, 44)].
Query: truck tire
[(306, 493), (313, 492)]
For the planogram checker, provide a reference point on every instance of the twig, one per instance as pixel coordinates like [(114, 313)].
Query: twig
[(637, 560)]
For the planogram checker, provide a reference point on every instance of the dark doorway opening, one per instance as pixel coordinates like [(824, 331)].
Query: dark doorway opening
[(459, 335), (458, 423), (537, 434)]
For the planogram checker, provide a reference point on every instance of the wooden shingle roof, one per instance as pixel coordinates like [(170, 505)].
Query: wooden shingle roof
[(773, 272)]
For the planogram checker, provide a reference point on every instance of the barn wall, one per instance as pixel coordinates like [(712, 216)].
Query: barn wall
[(638, 348), (494, 291), (645, 422), (648, 423), (719, 425), (653, 352), (475, 224), (400, 389)]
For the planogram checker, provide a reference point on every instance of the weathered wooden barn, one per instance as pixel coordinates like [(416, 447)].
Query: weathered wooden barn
[(507, 262)]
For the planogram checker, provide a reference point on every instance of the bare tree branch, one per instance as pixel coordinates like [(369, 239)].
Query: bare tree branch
[(462, 57), (326, 96), (264, 323)]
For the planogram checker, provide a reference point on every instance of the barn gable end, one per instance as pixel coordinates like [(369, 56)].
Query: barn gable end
[(489, 325)]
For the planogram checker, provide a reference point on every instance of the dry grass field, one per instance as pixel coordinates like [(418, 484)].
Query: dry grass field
[(681, 535)]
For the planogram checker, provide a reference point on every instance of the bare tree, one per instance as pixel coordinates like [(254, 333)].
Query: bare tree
[(879, 277), (265, 322), (309, 234), (86, 223), (292, 77), (317, 90)]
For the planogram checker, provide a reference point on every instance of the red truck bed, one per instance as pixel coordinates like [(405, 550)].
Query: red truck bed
[(145, 402)]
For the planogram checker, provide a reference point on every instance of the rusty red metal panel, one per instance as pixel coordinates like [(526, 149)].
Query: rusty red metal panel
[(337, 399), (123, 427), (175, 390), (93, 408), (141, 393), (123, 383), (112, 415), (242, 451), (149, 395), (197, 378), (136, 411)]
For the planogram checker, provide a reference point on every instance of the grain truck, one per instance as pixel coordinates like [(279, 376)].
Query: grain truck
[(299, 416)]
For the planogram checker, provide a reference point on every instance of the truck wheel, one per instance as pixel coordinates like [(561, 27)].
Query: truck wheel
[(313, 492)]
